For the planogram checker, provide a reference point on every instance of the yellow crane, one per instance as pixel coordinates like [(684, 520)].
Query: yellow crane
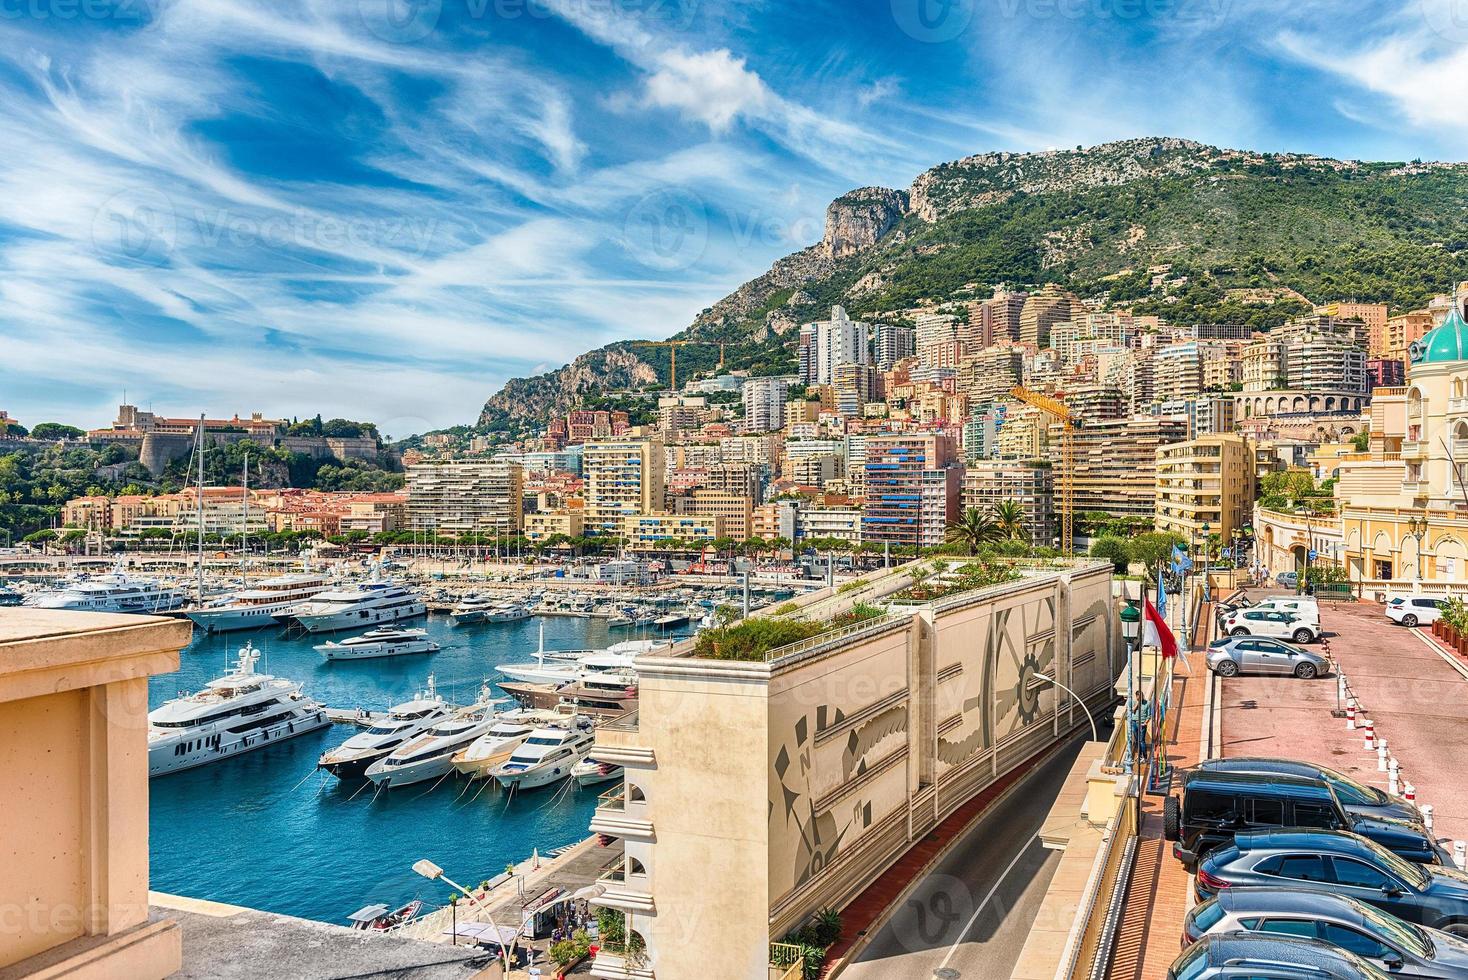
[(1065, 481), (673, 346)]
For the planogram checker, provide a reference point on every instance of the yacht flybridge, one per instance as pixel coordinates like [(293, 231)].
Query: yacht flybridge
[(548, 755), (367, 604), (262, 605), (239, 712)]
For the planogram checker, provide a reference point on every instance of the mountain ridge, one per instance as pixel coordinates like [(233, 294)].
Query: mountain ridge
[(1250, 223)]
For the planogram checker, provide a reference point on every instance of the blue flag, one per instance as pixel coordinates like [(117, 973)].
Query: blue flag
[(1161, 595), (1181, 562)]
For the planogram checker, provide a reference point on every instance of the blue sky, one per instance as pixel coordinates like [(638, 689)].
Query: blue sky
[(383, 209)]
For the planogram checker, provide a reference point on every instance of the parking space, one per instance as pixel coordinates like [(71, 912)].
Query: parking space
[(1418, 701)]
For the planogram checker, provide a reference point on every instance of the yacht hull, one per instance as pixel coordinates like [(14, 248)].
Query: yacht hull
[(203, 748), (376, 651), (335, 622), (419, 772)]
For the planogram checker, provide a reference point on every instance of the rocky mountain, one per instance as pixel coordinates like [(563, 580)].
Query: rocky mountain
[(1243, 235)]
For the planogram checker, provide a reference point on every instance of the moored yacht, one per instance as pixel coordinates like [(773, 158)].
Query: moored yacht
[(384, 641), (114, 592), (510, 612), (365, 604), (241, 711), (565, 666), (261, 605), (430, 754), (471, 609), (547, 756), (350, 759), (495, 746), (589, 772)]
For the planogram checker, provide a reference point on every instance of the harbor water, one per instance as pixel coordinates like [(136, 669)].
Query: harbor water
[(269, 831)]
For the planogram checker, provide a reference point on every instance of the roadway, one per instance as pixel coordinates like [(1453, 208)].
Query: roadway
[(969, 916)]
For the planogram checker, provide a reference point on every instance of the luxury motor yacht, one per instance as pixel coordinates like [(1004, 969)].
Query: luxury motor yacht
[(114, 592), (547, 756), (510, 612), (430, 754), (261, 605), (495, 746), (235, 713), (405, 721), (605, 686), (384, 641), (566, 666), (367, 604), (472, 609)]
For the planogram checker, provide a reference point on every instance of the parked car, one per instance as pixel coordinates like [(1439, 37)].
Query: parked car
[(1268, 622), (1256, 956), (1414, 610), (1404, 949), (1346, 864), (1357, 798), (1288, 580), (1215, 807), (1245, 654), (1305, 606)]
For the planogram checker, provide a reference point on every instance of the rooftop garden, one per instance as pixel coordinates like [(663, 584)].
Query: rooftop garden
[(938, 580), (753, 639)]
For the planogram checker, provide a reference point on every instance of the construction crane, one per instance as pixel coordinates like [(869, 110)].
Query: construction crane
[(673, 346), (1058, 410)]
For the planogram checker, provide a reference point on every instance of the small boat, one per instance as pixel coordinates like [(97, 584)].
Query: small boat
[(589, 772), (620, 621), (671, 621), (385, 641), (508, 613), (377, 918)]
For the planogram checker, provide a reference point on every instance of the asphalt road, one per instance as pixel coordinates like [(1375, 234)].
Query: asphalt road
[(970, 915)]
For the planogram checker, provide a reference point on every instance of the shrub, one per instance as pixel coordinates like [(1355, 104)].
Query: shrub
[(564, 952), (858, 613), (785, 608), (753, 638), (851, 586)]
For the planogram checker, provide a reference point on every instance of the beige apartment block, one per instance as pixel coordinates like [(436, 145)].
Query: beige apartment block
[(624, 478), (74, 778), (539, 527), (1207, 481), (733, 510), (864, 739), (1116, 463), (466, 497)]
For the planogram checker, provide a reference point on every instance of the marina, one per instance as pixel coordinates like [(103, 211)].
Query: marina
[(270, 830)]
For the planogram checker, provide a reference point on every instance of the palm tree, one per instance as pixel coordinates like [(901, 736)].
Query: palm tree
[(1010, 518), (973, 529)]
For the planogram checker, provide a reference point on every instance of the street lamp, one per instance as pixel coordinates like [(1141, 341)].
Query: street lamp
[(1131, 628), (1095, 737), (1417, 528), (433, 872)]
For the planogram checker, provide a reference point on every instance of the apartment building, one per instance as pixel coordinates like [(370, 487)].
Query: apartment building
[(891, 344), (1029, 483), (776, 519), (990, 374), (937, 339), (1177, 372), (1205, 482), (913, 483), (681, 413), (466, 497), (378, 513), (1373, 315), (651, 532), (1090, 401), (1211, 415), (854, 385), (624, 477), (815, 470), (1402, 331), (865, 742), (839, 340), (841, 523), (1116, 463), (547, 524), (1041, 311), (999, 317), (733, 511), (764, 404)]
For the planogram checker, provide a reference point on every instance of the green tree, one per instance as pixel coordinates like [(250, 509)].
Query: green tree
[(973, 530), (1009, 516), (1114, 550), (49, 431), (1153, 547)]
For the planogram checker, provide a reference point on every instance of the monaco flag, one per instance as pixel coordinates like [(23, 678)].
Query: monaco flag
[(1155, 632)]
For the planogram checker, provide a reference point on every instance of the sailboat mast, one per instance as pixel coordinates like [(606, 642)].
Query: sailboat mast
[(199, 495), (245, 527)]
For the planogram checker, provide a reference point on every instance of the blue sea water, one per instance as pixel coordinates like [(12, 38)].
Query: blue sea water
[(266, 830)]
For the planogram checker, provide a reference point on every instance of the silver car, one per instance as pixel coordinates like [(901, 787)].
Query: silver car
[(1233, 655), (1256, 956), (1404, 949)]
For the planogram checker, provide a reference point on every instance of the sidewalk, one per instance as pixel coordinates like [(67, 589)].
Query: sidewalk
[(1159, 892)]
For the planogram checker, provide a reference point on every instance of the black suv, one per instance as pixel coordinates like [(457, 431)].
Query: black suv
[(1217, 805)]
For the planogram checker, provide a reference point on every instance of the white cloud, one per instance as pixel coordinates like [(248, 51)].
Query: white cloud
[(713, 87)]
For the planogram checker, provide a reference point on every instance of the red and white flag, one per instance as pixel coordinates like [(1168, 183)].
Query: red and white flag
[(1155, 632)]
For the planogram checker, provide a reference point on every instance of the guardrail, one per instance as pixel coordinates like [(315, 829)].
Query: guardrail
[(1090, 949), (787, 961)]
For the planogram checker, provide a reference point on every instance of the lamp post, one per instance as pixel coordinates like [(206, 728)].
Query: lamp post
[(1207, 589), (433, 872), (1095, 736), (1131, 627), (1417, 528)]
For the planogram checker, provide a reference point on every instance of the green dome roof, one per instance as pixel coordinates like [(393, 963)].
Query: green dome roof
[(1448, 342)]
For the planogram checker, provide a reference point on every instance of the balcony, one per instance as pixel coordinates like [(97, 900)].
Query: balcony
[(613, 817), (629, 893), (617, 742), (615, 963), (1458, 406)]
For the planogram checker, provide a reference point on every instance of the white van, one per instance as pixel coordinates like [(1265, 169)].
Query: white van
[(1300, 606)]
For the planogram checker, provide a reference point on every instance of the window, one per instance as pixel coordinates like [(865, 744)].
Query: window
[(1289, 927), (1359, 874), (1357, 942), (1206, 915), (1316, 815), (1269, 812), (1303, 867), (1210, 807)]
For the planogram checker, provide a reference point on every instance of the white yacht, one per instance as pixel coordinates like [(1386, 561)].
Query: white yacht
[(366, 604), (496, 745), (236, 713), (472, 609), (405, 721), (114, 592), (510, 612), (261, 605), (547, 756), (430, 754), (589, 772), (385, 641), (565, 666)]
